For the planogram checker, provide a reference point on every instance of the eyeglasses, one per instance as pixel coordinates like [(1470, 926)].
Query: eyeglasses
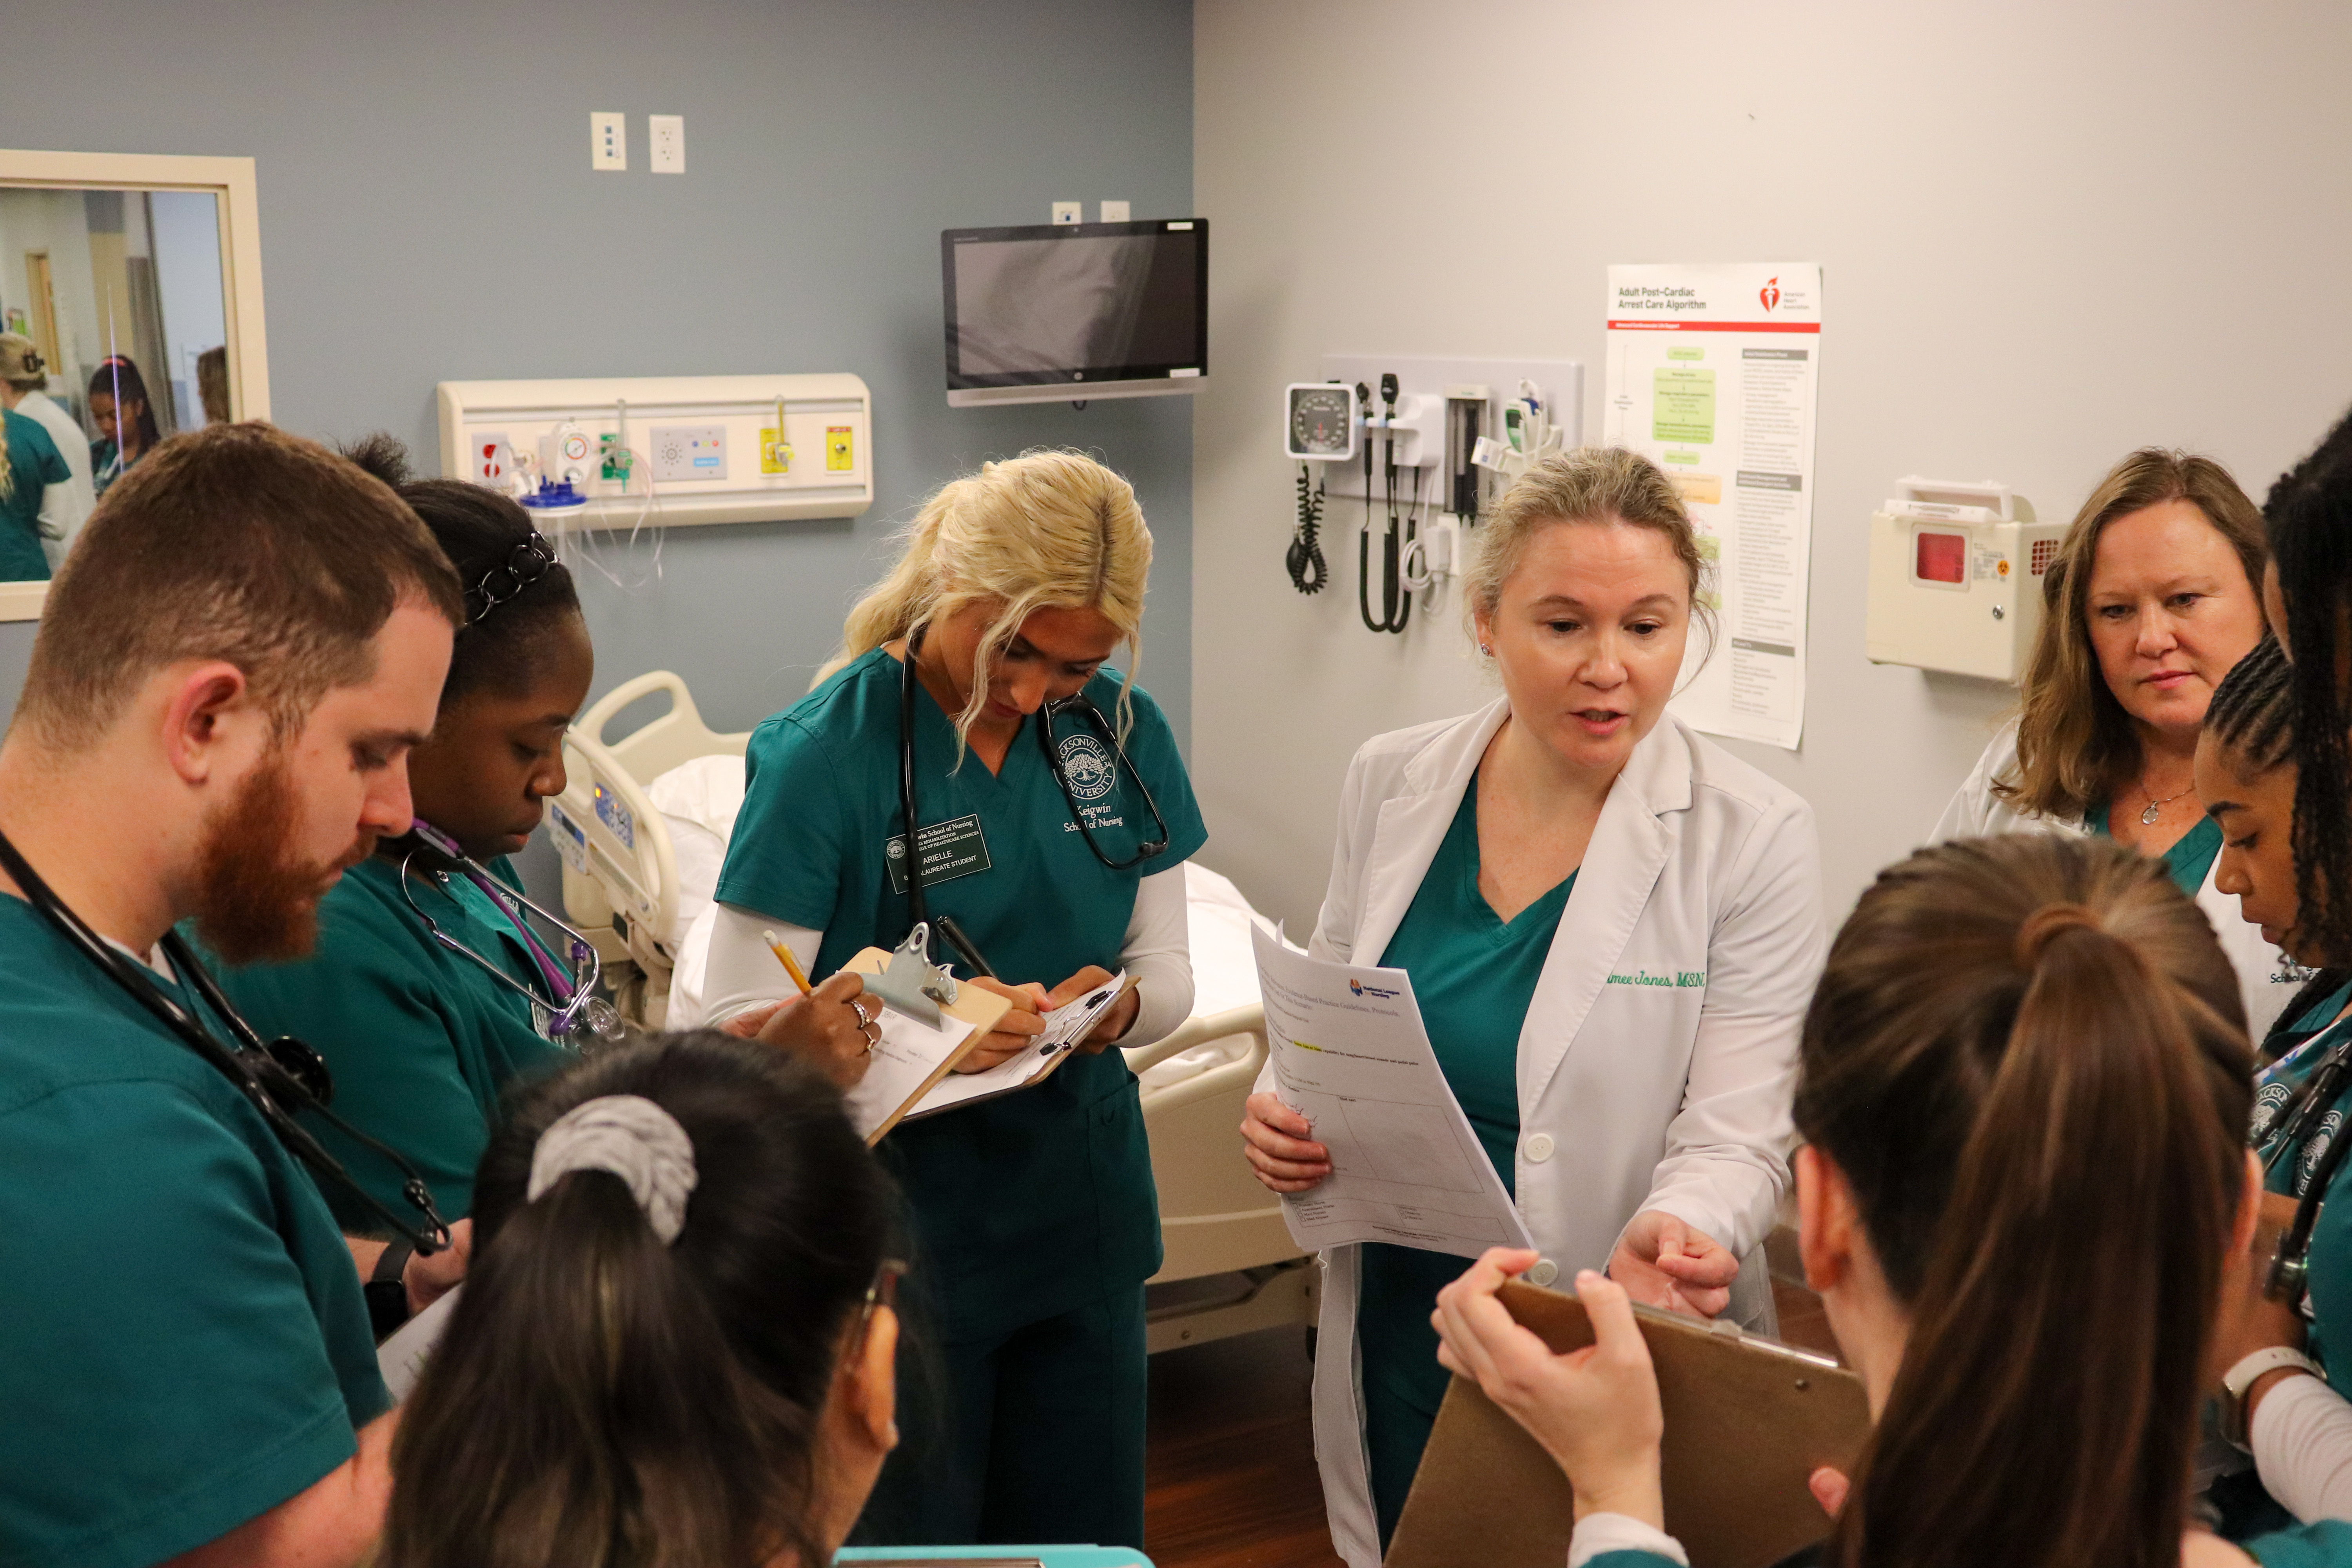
[(883, 1291)]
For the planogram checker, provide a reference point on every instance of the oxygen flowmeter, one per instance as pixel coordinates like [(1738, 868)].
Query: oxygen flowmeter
[(1957, 569)]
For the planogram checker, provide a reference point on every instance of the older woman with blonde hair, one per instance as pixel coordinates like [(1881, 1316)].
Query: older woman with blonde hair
[(1612, 925), (970, 756), (2153, 595)]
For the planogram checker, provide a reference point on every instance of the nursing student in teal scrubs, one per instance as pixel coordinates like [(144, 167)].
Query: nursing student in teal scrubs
[(2149, 601), (422, 1041), (2024, 1195), (2299, 1427), (29, 464), (228, 676), (1053, 816)]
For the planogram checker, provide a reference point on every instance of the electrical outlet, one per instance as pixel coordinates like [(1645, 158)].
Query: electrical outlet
[(666, 144), (608, 141), (1067, 211), (493, 460), (689, 452), (1115, 212)]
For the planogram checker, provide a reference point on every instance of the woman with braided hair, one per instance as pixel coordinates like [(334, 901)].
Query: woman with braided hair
[(423, 1039)]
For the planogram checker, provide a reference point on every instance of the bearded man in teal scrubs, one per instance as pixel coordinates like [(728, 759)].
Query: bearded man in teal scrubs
[(231, 670)]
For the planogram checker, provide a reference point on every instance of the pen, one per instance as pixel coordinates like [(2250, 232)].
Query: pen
[(963, 946), (785, 956)]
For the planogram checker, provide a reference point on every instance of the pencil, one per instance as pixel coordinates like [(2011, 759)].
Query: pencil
[(785, 956)]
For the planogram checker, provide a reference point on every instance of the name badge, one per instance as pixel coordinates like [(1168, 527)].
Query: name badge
[(950, 849)]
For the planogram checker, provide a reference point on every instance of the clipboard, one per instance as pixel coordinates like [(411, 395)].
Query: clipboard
[(972, 1005), (1042, 1070), (1748, 1421)]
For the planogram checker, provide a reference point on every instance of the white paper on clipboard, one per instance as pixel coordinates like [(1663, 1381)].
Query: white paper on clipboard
[(401, 1359), (1350, 1054)]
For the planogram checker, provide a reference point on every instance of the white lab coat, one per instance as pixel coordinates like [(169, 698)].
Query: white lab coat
[(1976, 812), (1632, 1096), (64, 506)]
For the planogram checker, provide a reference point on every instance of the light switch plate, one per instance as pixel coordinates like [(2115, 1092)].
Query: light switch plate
[(1115, 212), (608, 140), (689, 452), (666, 144), (1067, 211)]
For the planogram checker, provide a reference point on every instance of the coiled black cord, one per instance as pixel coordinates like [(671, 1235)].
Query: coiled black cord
[(1308, 570)]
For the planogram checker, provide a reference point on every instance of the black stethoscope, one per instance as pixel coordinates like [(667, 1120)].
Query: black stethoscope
[(2292, 1124), (279, 1077), (917, 906)]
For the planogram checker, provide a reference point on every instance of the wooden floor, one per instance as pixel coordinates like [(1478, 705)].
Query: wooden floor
[(1230, 1477)]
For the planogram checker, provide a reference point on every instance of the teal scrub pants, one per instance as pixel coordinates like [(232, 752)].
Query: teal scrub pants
[(1032, 1437)]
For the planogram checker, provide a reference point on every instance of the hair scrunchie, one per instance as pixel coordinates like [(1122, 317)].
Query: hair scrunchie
[(633, 1139), (2044, 924)]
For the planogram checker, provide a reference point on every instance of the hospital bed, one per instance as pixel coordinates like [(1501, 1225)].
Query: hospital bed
[(642, 826)]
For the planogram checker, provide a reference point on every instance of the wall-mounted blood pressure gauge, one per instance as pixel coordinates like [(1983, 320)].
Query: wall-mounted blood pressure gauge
[(1321, 421)]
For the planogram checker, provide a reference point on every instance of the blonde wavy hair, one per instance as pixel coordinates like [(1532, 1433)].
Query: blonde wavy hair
[(1049, 530), (2075, 745)]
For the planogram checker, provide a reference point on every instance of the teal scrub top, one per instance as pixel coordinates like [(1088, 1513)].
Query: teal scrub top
[(34, 464), (422, 1042), (2331, 1235), (1473, 976), (182, 1341), (2189, 859), (1033, 1204)]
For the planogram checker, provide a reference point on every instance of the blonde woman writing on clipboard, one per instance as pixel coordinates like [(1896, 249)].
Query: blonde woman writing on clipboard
[(1535, 866), (1053, 817)]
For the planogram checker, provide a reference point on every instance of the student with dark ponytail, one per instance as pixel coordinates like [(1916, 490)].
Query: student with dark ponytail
[(676, 1344), (2025, 1198), (422, 1037)]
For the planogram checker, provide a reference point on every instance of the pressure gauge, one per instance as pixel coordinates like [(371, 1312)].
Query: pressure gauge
[(1321, 421)]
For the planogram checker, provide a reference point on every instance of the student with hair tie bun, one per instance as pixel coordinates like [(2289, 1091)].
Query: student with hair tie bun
[(676, 1342)]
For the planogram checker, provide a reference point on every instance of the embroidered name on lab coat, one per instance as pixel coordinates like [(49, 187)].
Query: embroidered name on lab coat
[(1676, 979)]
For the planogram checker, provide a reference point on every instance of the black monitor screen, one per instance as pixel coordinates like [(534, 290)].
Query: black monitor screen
[(1079, 302)]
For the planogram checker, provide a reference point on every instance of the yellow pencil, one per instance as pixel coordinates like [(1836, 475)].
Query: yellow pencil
[(785, 956)]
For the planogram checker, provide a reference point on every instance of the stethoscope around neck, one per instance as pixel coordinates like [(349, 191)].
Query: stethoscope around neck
[(2292, 1124), (917, 907), (278, 1078), (569, 1001)]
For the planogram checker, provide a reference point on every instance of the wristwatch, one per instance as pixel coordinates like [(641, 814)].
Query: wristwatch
[(2235, 1384), (387, 1294)]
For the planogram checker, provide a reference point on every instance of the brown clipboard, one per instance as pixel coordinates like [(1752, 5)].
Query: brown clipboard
[(972, 1005), (1748, 1421)]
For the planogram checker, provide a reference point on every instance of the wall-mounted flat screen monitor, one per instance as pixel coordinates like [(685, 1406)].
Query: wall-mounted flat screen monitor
[(1076, 311)]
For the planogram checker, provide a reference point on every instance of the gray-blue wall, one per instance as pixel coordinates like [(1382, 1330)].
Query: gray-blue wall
[(428, 214)]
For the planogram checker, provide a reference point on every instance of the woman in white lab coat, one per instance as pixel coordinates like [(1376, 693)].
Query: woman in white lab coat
[(64, 506), (2153, 595), (1613, 928)]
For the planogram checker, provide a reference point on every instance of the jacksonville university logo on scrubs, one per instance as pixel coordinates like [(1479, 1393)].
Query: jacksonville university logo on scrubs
[(1088, 763)]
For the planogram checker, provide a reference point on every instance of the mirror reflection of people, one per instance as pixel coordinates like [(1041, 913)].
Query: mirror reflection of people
[(23, 380), (125, 420), (212, 384), (631, 1377), (30, 467), (2148, 603)]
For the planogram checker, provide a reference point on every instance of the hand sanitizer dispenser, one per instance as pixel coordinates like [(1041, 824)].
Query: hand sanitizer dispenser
[(1956, 576)]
